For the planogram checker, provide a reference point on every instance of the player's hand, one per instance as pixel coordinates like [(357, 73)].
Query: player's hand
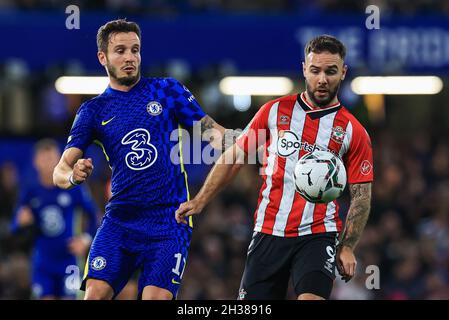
[(79, 245), (188, 209), (346, 263), (82, 170)]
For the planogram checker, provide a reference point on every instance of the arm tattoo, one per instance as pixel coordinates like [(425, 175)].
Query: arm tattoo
[(206, 124), (229, 136), (357, 215)]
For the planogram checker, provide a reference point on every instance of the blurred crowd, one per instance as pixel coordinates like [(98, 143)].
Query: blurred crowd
[(407, 236), (171, 7), (408, 232)]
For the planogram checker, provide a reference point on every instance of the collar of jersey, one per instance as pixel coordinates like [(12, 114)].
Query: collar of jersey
[(110, 90), (313, 112)]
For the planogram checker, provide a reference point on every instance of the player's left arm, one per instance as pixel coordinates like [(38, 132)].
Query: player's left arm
[(358, 162), (356, 219), (219, 137)]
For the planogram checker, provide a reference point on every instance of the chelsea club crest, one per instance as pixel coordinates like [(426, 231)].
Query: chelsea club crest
[(154, 108)]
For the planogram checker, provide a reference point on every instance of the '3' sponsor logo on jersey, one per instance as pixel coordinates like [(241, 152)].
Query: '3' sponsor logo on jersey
[(143, 153)]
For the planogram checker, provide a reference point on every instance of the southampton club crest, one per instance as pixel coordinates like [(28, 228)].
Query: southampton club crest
[(154, 108), (283, 119), (338, 134)]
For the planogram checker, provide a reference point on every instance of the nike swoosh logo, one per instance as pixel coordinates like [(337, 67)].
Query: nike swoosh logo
[(174, 281), (103, 123)]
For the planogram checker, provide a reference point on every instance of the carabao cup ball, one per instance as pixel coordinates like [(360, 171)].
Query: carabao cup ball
[(320, 176)]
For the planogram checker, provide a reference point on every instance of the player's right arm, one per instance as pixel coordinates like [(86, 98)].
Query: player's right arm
[(224, 170), (72, 169)]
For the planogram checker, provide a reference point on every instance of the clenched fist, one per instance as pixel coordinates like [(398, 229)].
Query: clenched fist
[(82, 170)]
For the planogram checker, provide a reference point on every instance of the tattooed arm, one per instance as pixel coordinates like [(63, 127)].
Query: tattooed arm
[(355, 223), (357, 215), (219, 137)]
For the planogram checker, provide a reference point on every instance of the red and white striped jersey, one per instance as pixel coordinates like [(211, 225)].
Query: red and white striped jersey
[(290, 127)]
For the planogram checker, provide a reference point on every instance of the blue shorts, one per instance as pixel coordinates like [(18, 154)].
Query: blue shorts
[(55, 283), (117, 252)]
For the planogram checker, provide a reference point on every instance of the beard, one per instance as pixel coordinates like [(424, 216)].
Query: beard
[(126, 81), (322, 102)]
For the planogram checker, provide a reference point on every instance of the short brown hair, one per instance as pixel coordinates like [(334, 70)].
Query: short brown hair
[(45, 144), (115, 26), (325, 43)]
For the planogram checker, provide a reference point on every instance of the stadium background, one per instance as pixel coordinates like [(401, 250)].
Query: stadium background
[(201, 41)]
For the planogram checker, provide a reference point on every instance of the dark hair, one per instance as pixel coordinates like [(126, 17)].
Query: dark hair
[(45, 144), (325, 43), (115, 26)]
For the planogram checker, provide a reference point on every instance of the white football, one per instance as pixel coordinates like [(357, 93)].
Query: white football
[(320, 176)]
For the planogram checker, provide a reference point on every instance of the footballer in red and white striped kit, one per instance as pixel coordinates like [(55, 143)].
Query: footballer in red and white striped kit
[(294, 237)]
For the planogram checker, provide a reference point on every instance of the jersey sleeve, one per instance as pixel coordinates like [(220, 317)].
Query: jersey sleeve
[(359, 159), (82, 131), (90, 208), (256, 132), (187, 109)]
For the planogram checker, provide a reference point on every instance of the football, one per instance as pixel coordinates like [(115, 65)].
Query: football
[(320, 176)]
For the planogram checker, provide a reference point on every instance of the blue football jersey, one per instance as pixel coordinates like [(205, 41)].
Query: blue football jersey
[(136, 130), (57, 219)]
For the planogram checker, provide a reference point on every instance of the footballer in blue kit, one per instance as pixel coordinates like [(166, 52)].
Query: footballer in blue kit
[(134, 121), (59, 244)]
